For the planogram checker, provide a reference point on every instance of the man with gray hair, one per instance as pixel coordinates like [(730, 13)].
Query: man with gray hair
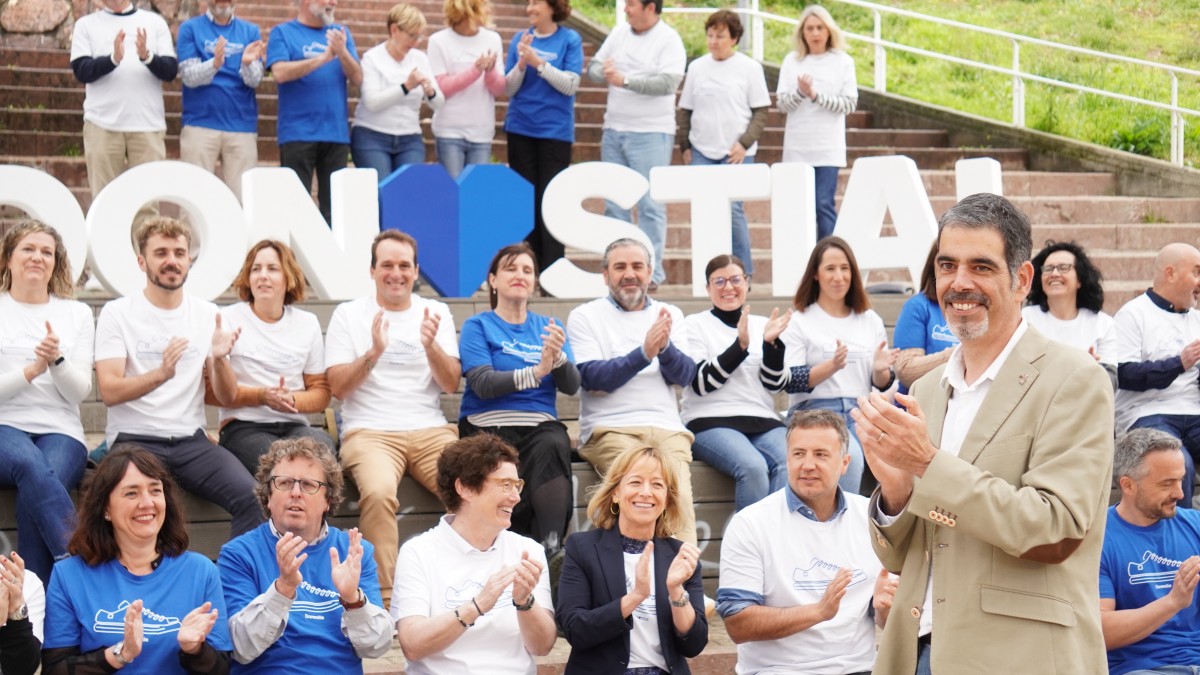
[(1158, 348), (799, 580), (625, 344), (1150, 565), (993, 475)]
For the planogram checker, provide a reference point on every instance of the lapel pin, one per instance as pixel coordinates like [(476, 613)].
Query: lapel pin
[(1021, 379)]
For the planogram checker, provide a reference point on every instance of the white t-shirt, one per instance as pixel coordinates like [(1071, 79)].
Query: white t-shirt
[(599, 330), (1088, 329), (812, 134), (438, 571), (645, 643), (658, 50), (290, 347), (131, 328), (743, 394), (400, 393), (1145, 332), (721, 96), (471, 113), (40, 408), (129, 98), (811, 338), (384, 107), (794, 570)]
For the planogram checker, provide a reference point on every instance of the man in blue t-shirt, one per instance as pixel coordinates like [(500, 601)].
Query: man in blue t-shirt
[(1150, 566), (302, 595), (312, 59), (221, 64)]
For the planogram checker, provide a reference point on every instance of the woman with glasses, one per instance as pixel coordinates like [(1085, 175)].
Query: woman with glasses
[(397, 79), (471, 596), (131, 594), (1066, 303), (273, 377), (837, 347), (515, 362), (630, 599), (729, 407)]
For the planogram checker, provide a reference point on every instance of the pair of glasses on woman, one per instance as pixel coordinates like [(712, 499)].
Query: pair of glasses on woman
[(508, 484), (735, 281), (1061, 268), (308, 487)]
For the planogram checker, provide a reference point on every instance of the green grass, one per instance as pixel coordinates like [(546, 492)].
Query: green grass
[(1154, 30)]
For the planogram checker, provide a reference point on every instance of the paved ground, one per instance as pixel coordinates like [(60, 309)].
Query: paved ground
[(718, 656)]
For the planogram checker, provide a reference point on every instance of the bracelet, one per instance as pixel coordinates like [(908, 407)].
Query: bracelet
[(681, 602), (458, 616), (481, 612), (404, 88)]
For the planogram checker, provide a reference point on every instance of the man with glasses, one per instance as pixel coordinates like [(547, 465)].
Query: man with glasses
[(302, 595), (1158, 348)]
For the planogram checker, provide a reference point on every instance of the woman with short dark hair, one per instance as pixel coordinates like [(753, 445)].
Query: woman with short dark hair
[(274, 375), (132, 592), (469, 594), (837, 346)]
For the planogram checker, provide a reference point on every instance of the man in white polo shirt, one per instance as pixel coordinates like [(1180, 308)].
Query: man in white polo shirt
[(1158, 348), (123, 54), (388, 356), (643, 62), (799, 581), (625, 344)]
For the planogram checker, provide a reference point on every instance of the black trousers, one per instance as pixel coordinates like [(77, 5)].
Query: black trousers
[(539, 160), (323, 158)]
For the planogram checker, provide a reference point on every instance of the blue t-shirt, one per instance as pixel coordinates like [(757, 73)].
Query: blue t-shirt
[(313, 641), (226, 104), (537, 109), (488, 340), (1138, 566), (921, 325), (85, 607), (312, 108)]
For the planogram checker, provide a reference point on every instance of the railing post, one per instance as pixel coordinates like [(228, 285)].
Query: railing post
[(880, 55), (756, 31), (1018, 88), (1176, 124)]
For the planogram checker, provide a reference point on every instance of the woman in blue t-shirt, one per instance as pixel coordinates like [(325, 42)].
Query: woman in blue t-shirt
[(132, 597), (515, 362), (922, 334), (543, 65)]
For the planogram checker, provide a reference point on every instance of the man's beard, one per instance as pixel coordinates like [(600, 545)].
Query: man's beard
[(157, 280), (962, 328), (325, 14)]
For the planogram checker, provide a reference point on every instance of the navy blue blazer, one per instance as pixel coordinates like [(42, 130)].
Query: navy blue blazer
[(589, 605)]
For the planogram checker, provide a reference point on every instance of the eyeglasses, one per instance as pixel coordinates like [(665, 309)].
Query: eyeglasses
[(508, 484), (734, 281), (1061, 268), (308, 487)]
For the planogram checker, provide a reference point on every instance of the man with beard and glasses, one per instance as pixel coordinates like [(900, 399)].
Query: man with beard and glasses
[(311, 59), (993, 475), (1150, 564), (151, 351), (1158, 348), (626, 347), (221, 64)]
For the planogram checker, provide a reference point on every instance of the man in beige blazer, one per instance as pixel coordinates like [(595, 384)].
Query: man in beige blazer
[(994, 481)]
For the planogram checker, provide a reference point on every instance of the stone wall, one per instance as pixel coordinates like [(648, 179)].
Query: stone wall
[(47, 24)]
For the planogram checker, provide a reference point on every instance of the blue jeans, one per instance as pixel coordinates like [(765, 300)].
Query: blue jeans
[(852, 480), (1187, 429), (641, 152), (825, 180), (1168, 670), (457, 154), (757, 462), (42, 467), (741, 231), (924, 654), (384, 152)]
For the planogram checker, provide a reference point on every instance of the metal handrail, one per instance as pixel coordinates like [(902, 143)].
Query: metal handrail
[(1019, 77)]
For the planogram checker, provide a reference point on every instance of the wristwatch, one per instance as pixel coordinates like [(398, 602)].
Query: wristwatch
[(525, 607), (21, 613), (542, 68), (59, 360), (681, 602), (362, 600), (116, 652)]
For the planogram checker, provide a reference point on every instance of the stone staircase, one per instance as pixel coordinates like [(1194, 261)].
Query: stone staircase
[(41, 122)]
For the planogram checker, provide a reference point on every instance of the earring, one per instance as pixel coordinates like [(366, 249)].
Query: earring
[(613, 508)]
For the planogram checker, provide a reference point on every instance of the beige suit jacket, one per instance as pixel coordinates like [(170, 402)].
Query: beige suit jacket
[(1013, 525)]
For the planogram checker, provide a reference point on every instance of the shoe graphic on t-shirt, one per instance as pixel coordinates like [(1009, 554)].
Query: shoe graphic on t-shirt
[(807, 579), (21, 346), (152, 624), (456, 597), (1150, 569), (152, 349)]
